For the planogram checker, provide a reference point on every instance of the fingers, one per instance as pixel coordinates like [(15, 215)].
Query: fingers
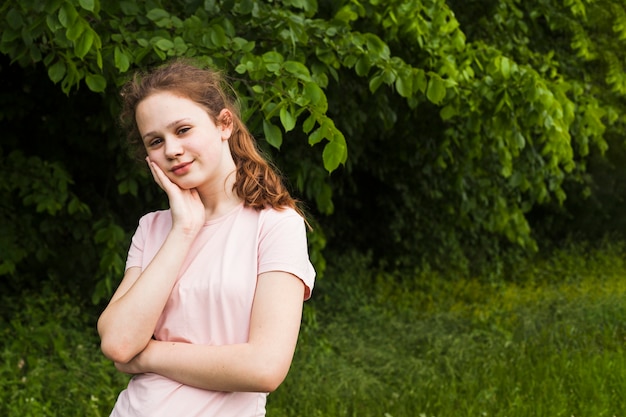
[(157, 173), (162, 180), (186, 204)]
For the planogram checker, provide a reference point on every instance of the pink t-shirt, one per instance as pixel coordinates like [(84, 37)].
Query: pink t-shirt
[(212, 299)]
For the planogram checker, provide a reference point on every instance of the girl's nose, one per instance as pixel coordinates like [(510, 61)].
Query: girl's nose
[(173, 148)]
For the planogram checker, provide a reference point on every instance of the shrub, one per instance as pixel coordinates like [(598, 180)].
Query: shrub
[(50, 360)]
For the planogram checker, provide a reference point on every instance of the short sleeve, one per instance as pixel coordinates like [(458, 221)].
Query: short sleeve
[(135, 252), (148, 238), (283, 246)]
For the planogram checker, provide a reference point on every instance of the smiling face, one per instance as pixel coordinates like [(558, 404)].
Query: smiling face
[(181, 138)]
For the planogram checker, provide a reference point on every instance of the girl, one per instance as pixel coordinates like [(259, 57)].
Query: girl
[(207, 315)]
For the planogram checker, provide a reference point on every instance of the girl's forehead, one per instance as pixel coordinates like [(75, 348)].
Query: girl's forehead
[(168, 103), (167, 95)]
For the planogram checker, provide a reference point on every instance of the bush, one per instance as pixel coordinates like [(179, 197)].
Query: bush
[(548, 341), (50, 360), (545, 338)]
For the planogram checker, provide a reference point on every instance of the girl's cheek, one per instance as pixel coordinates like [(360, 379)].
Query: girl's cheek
[(152, 154)]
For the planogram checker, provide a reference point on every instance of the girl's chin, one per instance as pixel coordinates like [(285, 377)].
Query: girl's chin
[(182, 184), (186, 186)]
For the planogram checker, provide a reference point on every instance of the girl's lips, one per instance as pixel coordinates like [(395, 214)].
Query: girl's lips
[(181, 169)]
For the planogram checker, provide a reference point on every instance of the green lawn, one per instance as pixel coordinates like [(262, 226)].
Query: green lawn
[(544, 339)]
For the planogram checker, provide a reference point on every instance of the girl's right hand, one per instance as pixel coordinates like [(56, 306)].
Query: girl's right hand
[(186, 206)]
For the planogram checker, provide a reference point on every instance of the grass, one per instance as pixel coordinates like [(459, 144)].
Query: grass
[(544, 339), (547, 340), (50, 362)]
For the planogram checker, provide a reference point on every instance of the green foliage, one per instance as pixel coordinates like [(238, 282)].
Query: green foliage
[(543, 338), (50, 359), (513, 131), (36, 205), (440, 126), (550, 343)]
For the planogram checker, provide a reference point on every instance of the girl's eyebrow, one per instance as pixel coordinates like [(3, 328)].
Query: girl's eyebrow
[(169, 126)]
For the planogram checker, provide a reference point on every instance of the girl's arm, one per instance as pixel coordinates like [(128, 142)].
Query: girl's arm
[(128, 322), (260, 365)]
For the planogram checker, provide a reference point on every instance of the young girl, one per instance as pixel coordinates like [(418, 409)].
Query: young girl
[(207, 315)]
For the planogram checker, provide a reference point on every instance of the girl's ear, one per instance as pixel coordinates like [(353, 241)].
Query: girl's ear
[(225, 120)]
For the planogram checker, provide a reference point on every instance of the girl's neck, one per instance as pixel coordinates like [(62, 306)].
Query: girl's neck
[(220, 200)]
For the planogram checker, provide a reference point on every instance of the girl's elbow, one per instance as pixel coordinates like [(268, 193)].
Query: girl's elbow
[(117, 352), (120, 348), (268, 384), (270, 377)]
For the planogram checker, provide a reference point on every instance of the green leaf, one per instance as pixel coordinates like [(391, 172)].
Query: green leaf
[(272, 57), (436, 90), (389, 76), (335, 152), (248, 47), (67, 14), (96, 83), (314, 93), (404, 85), (308, 5), (128, 186), (448, 112), (287, 119), (129, 8), (245, 6), (15, 19), (75, 29), (350, 60), (51, 6), (505, 67), (317, 136), (377, 46), (157, 14), (35, 53), (258, 88), (420, 80), (346, 14), (238, 44), (218, 36), (164, 44), (309, 123), (363, 65), (273, 134), (84, 43), (298, 69), (53, 22), (326, 55), (180, 46), (57, 71), (272, 67), (122, 62), (87, 4), (375, 82)]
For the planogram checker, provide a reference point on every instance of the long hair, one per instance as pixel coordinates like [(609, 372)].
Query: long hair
[(257, 182)]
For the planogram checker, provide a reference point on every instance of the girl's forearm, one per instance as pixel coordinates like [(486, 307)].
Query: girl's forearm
[(260, 365), (242, 367), (128, 322)]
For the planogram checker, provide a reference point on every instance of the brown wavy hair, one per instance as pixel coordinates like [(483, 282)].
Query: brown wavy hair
[(257, 182)]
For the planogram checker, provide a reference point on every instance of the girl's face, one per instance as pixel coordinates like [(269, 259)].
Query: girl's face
[(181, 138)]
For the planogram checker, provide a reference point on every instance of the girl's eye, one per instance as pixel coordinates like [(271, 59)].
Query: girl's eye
[(155, 142), (183, 130)]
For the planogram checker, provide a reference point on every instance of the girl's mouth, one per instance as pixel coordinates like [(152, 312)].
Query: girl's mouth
[(181, 169)]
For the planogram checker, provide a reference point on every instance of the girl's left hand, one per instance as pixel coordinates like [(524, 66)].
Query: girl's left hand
[(137, 365), (186, 206), (130, 368)]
